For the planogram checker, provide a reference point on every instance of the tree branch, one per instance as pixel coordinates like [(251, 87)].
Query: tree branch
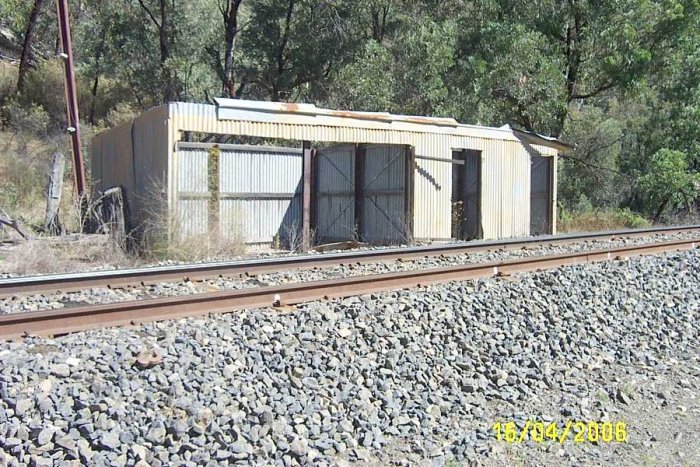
[(595, 92), (150, 14)]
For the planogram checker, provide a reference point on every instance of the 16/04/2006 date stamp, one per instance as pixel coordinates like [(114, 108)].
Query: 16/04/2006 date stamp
[(577, 431)]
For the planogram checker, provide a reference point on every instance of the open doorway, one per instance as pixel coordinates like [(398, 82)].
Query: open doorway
[(466, 194), (541, 199)]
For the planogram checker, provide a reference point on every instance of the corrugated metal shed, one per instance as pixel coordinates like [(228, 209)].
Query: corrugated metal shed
[(505, 153)]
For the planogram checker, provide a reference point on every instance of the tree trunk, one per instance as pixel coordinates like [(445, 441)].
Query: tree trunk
[(284, 40), (26, 56), (231, 31), (660, 211), (164, 40), (379, 16), (96, 81)]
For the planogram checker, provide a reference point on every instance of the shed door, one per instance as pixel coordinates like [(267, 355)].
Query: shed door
[(335, 193), (540, 195), (382, 216)]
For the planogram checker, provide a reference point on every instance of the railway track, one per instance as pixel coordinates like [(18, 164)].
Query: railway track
[(152, 275), (55, 322)]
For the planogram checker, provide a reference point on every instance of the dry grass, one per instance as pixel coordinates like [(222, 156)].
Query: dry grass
[(203, 247), (72, 253), (597, 220), (160, 237)]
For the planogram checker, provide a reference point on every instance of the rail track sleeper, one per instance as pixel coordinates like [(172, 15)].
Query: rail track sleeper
[(117, 314), (146, 276)]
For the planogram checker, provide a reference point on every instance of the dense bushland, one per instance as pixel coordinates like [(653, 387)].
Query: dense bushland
[(618, 79)]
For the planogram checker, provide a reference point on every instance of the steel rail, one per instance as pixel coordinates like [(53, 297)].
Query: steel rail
[(151, 275), (55, 322)]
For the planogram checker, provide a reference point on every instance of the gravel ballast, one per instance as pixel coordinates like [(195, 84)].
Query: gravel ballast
[(404, 377), (103, 295)]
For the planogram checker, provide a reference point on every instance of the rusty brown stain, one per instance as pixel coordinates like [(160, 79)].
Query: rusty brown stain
[(290, 107), (350, 114), (430, 120), (389, 118)]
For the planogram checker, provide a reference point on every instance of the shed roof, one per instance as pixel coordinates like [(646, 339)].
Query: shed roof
[(309, 114)]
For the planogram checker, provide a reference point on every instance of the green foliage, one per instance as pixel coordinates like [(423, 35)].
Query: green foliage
[(669, 181), (8, 80), (45, 88), (590, 171), (363, 83), (31, 120), (294, 46), (616, 78)]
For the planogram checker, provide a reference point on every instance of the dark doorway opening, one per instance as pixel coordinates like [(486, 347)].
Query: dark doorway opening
[(541, 185), (466, 194)]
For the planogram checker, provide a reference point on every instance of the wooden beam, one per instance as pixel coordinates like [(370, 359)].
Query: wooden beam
[(360, 152), (408, 188), (52, 224), (306, 195), (314, 191)]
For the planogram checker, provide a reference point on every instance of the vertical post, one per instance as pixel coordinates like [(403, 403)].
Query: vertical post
[(71, 96), (306, 193), (553, 194), (408, 192), (360, 152), (214, 187), (53, 195)]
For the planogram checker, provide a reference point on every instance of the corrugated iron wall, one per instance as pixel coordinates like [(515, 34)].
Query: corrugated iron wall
[(112, 159), (259, 191), (192, 209), (134, 156), (150, 145), (505, 166), (505, 192)]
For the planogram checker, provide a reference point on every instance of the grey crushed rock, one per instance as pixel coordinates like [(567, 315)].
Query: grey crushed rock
[(416, 378)]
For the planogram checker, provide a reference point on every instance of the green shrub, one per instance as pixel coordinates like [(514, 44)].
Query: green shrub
[(8, 81), (45, 87), (25, 121)]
